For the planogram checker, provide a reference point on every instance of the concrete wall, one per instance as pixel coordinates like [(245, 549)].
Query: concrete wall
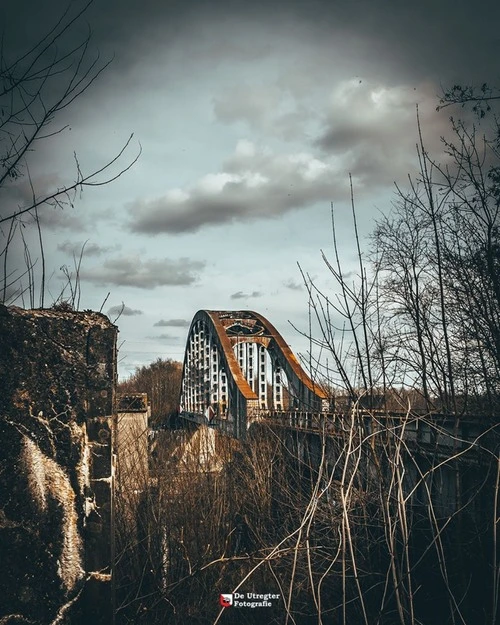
[(132, 450), (57, 380)]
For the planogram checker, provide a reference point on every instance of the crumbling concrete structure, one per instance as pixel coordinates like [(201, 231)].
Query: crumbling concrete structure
[(132, 443), (132, 480), (57, 381)]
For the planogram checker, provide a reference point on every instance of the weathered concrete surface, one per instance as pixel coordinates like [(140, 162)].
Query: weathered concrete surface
[(57, 377), (132, 442), (132, 455)]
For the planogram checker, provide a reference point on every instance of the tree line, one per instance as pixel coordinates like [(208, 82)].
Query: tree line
[(161, 380)]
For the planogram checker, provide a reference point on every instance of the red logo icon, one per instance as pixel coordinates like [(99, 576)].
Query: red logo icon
[(226, 601)]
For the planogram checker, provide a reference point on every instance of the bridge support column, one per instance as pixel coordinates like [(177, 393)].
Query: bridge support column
[(262, 378), (250, 365), (223, 393), (214, 377), (205, 346), (241, 355), (277, 388)]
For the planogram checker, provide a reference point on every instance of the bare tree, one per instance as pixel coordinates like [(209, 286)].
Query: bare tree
[(161, 380), (387, 511), (439, 274), (480, 98), (35, 87)]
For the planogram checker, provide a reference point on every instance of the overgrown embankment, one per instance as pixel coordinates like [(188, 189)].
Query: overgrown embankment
[(58, 374), (346, 526)]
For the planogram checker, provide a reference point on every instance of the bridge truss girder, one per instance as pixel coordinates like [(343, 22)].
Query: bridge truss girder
[(225, 374)]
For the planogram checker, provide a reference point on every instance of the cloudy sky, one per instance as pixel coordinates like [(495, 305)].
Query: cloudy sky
[(250, 116)]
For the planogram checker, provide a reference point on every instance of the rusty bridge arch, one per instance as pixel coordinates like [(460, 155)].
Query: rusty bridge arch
[(230, 358)]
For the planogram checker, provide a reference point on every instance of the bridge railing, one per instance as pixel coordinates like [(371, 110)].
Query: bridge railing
[(194, 417), (437, 432), (430, 433), (227, 426)]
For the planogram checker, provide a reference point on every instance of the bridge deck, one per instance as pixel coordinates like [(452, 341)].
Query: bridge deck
[(436, 433)]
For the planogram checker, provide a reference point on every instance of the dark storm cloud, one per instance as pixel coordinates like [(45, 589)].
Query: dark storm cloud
[(442, 37), (234, 203), (124, 310), (132, 270), (75, 248), (268, 108), (443, 40), (255, 184), (55, 218), (292, 285), (165, 337), (250, 103), (369, 118), (18, 194), (241, 295), (174, 323), (368, 129)]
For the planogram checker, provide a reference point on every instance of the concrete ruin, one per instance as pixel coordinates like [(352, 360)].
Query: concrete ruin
[(132, 442), (58, 375), (132, 455)]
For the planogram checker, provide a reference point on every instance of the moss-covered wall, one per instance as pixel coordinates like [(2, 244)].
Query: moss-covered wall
[(57, 381)]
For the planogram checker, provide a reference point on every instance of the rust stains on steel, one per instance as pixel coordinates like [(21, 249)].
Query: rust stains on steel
[(232, 363), (291, 358), (247, 326)]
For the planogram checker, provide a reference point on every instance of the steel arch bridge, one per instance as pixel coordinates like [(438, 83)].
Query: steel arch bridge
[(237, 368)]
